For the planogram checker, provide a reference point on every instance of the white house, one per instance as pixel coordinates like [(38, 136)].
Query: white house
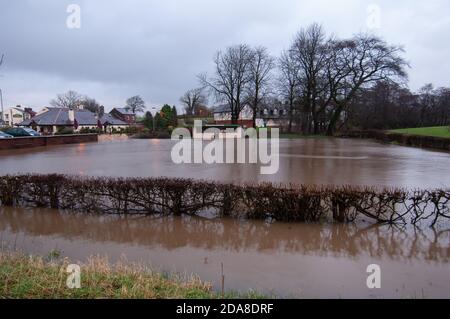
[(222, 115), (51, 120), (16, 115)]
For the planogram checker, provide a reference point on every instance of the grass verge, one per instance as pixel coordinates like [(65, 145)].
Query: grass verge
[(31, 277), (439, 131)]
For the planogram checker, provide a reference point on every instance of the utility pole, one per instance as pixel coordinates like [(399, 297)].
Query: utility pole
[(1, 94), (1, 103)]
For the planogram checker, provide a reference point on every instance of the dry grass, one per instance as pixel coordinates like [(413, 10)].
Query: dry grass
[(37, 277)]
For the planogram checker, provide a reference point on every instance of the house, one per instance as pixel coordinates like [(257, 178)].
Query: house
[(272, 113), (52, 120), (16, 115), (111, 123), (124, 114), (222, 115)]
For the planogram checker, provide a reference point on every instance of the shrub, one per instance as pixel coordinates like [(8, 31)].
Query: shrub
[(166, 196), (64, 131)]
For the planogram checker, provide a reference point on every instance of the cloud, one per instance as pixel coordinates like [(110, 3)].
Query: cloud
[(156, 48)]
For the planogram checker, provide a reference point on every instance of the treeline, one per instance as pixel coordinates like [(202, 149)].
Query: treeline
[(317, 77), (165, 196), (325, 83), (163, 120), (388, 105)]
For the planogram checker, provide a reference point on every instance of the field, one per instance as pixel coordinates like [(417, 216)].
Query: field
[(440, 131)]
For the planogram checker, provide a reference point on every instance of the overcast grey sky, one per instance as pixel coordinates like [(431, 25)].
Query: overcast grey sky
[(155, 48)]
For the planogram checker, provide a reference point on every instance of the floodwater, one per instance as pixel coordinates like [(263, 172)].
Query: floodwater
[(287, 260), (302, 161)]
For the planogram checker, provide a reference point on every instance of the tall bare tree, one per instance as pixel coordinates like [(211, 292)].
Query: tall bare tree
[(356, 64), (310, 52), (192, 100), (231, 78), (288, 82), (260, 67), (70, 100)]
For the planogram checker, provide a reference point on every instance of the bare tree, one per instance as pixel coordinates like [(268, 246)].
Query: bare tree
[(192, 100), (310, 52), (260, 67), (135, 104), (231, 78), (358, 63), (91, 105), (70, 100), (288, 81)]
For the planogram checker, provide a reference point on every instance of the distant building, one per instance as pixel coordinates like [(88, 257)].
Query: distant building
[(51, 120), (222, 115), (111, 123), (16, 115), (272, 113), (124, 115)]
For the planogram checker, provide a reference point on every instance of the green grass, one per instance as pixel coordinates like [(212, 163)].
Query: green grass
[(294, 136), (440, 131), (32, 277)]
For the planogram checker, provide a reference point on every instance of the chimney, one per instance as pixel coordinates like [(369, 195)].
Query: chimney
[(71, 115)]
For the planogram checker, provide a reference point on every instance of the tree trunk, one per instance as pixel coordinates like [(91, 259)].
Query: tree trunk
[(333, 121)]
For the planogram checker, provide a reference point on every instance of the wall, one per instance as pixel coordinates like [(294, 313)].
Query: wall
[(29, 142)]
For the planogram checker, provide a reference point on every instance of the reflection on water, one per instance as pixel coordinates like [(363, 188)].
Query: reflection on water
[(304, 161), (285, 259)]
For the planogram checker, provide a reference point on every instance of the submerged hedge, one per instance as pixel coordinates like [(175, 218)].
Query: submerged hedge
[(166, 196)]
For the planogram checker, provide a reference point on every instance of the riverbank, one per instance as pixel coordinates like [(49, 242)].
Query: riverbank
[(439, 131), (33, 277), (401, 138)]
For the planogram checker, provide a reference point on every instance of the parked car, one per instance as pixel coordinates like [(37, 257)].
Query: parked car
[(4, 135), (22, 131)]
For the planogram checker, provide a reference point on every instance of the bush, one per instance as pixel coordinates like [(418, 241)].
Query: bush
[(64, 131), (86, 130), (166, 196)]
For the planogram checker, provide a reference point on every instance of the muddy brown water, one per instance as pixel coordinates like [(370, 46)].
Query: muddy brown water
[(307, 161), (288, 260)]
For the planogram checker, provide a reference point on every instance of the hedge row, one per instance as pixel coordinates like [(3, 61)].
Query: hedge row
[(165, 196)]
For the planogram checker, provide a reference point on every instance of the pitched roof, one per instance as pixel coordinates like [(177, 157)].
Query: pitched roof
[(223, 108), (124, 111), (111, 120), (60, 117)]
